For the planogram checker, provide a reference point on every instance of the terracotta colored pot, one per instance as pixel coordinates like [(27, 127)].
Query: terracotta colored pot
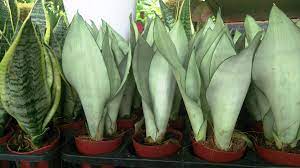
[(177, 124), (216, 156), (127, 123), (41, 164), (3, 140), (87, 146), (156, 151), (278, 157)]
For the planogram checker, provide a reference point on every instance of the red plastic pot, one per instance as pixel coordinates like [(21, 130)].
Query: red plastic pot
[(216, 156), (87, 146), (41, 164), (127, 123), (3, 140), (156, 151), (278, 157)]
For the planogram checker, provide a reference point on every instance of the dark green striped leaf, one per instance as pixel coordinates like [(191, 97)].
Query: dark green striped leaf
[(41, 19), (168, 14), (25, 94), (186, 18)]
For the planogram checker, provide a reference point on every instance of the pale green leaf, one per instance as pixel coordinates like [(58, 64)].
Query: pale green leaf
[(85, 69), (275, 72), (227, 91)]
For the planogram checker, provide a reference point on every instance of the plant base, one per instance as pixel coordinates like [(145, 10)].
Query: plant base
[(278, 157), (201, 150), (42, 164), (157, 151)]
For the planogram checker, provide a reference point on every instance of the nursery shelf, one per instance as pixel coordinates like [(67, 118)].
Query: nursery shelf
[(125, 157), (6, 155)]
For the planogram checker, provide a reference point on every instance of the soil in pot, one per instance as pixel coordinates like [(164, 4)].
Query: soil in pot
[(268, 151), (169, 147), (20, 144), (209, 151)]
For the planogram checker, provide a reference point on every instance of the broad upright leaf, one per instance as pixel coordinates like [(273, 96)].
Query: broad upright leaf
[(25, 94), (275, 72), (251, 28), (227, 91), (112, 69), (141, 63), (85, 69), (180, 41)]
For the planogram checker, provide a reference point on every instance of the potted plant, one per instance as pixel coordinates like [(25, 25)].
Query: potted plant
[(208, 84), (156, 86), (275, 74), (96, 63), (30, 92)]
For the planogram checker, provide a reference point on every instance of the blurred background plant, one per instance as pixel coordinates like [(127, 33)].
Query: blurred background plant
[(200, 10), (54, 7), (147, 9)]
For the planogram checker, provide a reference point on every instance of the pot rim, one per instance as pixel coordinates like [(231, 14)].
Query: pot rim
[(39, 150), (215, 150), (257, 145), (88, 139), (177, 132)]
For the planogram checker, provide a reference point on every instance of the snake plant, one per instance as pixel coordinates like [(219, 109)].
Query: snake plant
[(215, 80), (276, 75), (30, 85), (154, 79), (97, 67)]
